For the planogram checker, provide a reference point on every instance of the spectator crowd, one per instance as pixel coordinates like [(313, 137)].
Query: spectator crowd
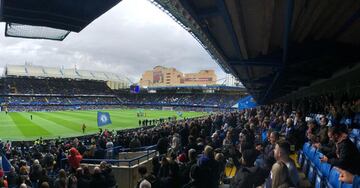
[(258, 143)]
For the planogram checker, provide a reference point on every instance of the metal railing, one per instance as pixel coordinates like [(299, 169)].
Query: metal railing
[(150, 152)]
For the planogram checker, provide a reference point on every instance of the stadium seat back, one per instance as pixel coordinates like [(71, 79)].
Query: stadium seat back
[(312, 152), (317, 161), (306, 148), (318, 182), (333, 179), (346, 185), (311, 173), (325, 169), (300, 157), (355, 132), (352, 138)]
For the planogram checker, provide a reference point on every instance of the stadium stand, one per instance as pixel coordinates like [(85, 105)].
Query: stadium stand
[(287, 56), (44, 88), (209, 144)]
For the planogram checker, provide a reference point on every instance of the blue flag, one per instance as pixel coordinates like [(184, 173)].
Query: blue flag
[(246, 102), (103, 118), (4, 163)]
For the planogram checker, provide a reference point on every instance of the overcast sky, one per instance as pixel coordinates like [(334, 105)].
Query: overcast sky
[(132, 37)]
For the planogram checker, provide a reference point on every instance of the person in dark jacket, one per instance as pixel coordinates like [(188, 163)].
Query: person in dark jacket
[(162, 145), (109, 176), (12, 177), (82, 181), (98, 180), (195, 178), (209, 168), (248, 175), (347, 155), (322, 135), (35, 172)]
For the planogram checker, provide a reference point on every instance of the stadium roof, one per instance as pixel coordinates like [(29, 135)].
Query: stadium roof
[(274, 47), (50, 19), (51, 72)]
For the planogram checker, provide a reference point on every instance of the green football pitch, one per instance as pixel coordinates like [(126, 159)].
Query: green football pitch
[(19, 126)]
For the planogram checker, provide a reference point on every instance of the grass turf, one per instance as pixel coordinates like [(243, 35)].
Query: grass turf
[(18, 125)]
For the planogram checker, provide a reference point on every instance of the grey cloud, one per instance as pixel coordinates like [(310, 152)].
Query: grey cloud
[(132, 37)]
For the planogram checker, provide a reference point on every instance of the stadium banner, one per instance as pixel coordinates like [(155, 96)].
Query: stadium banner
[(246, 102), (103, 118)]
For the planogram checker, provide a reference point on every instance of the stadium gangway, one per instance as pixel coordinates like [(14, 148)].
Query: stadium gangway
[(114, 161)]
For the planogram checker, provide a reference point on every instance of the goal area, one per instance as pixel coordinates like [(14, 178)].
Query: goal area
[(169, 108)]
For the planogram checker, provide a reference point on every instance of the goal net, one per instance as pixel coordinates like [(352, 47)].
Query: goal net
[(167, 108)]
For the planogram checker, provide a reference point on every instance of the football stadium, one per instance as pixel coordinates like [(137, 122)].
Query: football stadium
[(180, 94)]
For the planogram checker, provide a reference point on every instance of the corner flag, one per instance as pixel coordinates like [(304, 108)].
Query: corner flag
[(103, 118)]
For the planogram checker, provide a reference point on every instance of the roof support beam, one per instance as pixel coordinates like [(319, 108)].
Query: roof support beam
[(237, 18), (230, 27), (268, 22), (288, 20)]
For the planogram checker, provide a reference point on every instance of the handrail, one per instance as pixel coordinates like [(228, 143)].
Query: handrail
[(134, 149), (129, 161)]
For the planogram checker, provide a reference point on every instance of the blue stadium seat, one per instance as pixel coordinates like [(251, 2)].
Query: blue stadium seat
[(311, 174), (305, 166), (301, 154), (352, 138), (317, 161), (355, 132), (358, 144), (346, 185), (300, 157), (321, 175), (306, 148), (318, 182), (311, 154), (333, 179), (325, 169)]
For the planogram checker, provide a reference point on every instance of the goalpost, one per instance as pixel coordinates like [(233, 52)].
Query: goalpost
[(169, 108)]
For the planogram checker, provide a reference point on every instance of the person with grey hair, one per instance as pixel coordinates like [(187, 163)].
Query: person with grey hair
[(290, 135)]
